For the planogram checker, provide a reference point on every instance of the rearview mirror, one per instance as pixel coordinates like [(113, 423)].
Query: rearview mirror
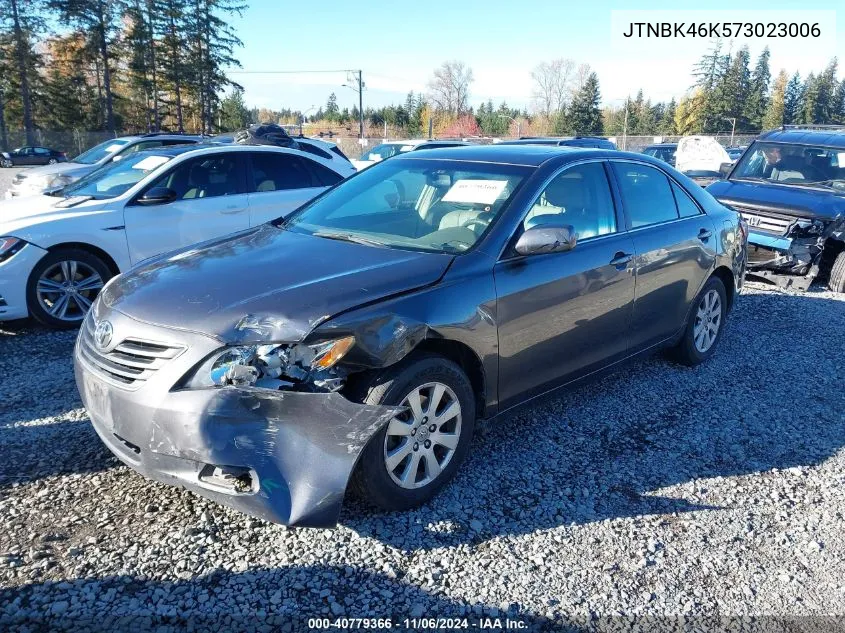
[(546, 239), (725, 169), (157, 195)]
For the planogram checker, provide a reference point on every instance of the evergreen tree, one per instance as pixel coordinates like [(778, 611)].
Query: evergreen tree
[(776, 110), (20, 22), (233, 112), (584, 113), (733, 94), (98, 20), (758, 94), (332, 112), (839, 103), (826, 84), (667, 122), (810, 100), (792, 101)]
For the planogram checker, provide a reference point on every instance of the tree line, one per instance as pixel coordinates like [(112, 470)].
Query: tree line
[(728, 94), (114, 65)]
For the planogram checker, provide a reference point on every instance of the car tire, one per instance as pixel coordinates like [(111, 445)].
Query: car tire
[(52, 161), (80, 272), (836, 282), (6, 162), (427, 375), (700, 339)]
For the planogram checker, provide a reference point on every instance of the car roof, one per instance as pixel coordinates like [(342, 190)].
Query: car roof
[(513, 154), (662, 145), (177, 150), (806, 136)]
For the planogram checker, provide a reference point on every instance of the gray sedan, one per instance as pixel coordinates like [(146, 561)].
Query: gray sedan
[(360, 339)]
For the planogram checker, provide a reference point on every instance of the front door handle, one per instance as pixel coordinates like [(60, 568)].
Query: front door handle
[(621, 259), (705, 235), (231, 210)]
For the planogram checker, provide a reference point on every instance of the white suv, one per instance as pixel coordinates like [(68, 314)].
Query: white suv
[(58, 250), (50, 177)]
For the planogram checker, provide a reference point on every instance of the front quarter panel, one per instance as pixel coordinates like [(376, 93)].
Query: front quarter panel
[(460, 308)]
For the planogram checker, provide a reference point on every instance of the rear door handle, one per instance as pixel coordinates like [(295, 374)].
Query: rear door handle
[(621, 259), (705, 235), (231, 210)]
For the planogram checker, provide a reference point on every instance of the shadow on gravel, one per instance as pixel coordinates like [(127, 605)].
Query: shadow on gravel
[(771, 398), (257, 600)]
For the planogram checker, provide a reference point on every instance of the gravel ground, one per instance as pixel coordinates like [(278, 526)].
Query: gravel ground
[(661, 494)]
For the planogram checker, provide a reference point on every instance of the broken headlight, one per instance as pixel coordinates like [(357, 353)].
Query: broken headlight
[(275, 366), (9, 246)]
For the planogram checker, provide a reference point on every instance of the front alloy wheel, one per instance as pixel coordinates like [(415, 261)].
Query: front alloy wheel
[(415, 454), (420, 442), (63, 285)]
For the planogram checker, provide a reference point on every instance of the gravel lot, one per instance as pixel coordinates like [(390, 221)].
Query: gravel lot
[(654, 493)]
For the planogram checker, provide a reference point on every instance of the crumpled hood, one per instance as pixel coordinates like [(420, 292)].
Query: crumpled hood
[(266, 284), (71, 169), (794, 201), (23, 217)]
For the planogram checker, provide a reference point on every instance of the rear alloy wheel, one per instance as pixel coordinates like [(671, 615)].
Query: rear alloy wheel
[(52, 161), (409, 460), (63, 286), (705, 325)]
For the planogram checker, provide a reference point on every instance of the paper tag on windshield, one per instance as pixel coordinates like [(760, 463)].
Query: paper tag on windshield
[(475, 191), (840, 159), (150, 162), (113, 148)]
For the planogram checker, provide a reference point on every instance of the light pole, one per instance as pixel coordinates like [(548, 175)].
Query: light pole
[(518, 124), (302, 117), (733, 128), (359, 88)]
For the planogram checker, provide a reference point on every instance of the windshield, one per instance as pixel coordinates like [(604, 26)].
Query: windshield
[(99, 152), (380, 152), (794, 165), (441, 206), (116, 178)]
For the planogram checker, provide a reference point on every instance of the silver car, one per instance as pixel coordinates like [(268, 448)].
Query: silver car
[(51, 177)]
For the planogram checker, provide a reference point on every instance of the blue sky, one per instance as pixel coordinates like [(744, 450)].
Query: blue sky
[(398, 44)]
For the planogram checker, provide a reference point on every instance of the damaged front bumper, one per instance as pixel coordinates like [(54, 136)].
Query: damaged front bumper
[(790, 260), (282, 456)]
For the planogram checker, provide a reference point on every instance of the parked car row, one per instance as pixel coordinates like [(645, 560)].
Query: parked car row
[(30, 155)]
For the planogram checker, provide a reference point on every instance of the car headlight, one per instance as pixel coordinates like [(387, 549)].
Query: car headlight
[(61, 180), (9, 246), (275, 366)]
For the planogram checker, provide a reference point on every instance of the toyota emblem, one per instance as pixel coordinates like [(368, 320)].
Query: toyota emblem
[(103, 334)]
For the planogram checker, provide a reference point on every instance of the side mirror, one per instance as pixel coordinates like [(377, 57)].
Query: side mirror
[(546, 239), (157, 195), (725, 169)]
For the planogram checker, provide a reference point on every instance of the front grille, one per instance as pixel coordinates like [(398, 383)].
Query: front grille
[(769, 223), (129, 364)]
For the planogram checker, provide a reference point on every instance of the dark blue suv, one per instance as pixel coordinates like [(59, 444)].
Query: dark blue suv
[(790, 188)]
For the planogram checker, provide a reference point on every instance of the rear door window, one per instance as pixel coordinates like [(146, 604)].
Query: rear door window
[(280, 172), (646, 194)]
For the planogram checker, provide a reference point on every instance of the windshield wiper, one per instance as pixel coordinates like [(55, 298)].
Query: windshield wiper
[(351, 237)]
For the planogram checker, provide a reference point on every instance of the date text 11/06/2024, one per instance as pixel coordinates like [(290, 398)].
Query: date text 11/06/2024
[(421, 623)]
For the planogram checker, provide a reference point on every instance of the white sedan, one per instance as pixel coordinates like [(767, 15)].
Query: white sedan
[(57, 251)]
